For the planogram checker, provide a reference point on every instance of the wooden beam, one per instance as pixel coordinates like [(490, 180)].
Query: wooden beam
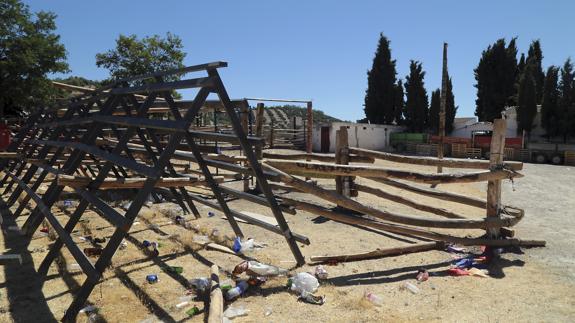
[(380, 253), (431, 161), (406, 201), (9, 155), (133, 182), (342, 183), (325, 170), (215, 314)]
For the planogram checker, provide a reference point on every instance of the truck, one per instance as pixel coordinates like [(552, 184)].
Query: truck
[(546, 152)]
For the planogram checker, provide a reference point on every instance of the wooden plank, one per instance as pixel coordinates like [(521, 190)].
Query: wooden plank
[(380, 253), (216, 309), (325, 170), (9, 155), (9, 259), (342, 183), (431, 161), (132, 182)]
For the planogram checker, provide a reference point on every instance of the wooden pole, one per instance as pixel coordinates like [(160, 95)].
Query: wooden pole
[(271, 133), (380, 253), (309, 137), (215, 314), (443, 106), (494, 186), (259, 128), (244, 113), (342, 183)]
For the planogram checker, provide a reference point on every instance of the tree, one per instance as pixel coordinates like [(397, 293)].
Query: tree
[(535, 58), (567, 100), (133, 56), (416, 105), (496, 79), (434, 108), (399, 103), (380, 94), (450, 108), (550, 115), (527, 100), (29, 51), (521, 65)]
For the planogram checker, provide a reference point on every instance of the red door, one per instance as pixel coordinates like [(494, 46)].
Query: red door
[(325, 139)]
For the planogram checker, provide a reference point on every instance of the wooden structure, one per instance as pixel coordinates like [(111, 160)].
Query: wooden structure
[(112, 127)]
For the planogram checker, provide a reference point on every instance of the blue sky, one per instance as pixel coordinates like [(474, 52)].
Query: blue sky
[(319, 50)]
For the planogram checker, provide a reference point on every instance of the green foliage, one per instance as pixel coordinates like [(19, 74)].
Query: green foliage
[(297, 111), (567, 100), (29, 50), (416, 106), (534, 60), (380, 95), (434, 109), (133, 56), (450, 108), (496, 78), (527, 99), (550, 114)]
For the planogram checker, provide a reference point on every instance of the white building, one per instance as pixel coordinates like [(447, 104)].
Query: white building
[(360, 135), (465, 127)]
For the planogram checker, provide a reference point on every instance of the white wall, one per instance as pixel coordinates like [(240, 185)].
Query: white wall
[(368, 136)]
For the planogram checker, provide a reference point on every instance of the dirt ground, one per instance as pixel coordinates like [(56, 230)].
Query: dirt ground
[(525, 285)]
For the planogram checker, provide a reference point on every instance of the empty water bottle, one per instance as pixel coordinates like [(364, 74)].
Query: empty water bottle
[(303, 283), (237, 291)]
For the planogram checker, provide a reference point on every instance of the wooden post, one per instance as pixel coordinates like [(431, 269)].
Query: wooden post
[(244, 111), (443, 106), (496, 160), (309, 137), (342, 183), (259, 127)]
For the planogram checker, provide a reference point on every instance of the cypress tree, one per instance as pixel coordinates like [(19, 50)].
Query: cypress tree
[(434, 108), (566, 100), (380, 94), (450, 108), (521, 65), (496, 78), (535, 58), (527, 101), (399, 103), (550, 117), (417, 104)]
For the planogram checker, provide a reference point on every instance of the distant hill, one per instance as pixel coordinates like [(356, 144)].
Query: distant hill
[(284, 115)]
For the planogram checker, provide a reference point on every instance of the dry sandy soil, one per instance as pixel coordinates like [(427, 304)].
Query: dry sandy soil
[(525, 285)]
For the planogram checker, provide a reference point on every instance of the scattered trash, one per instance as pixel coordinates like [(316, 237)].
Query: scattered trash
[(43, 230), (126, 205), (180, 220), (186, 298), (99, 240), (422, 275), (243, 247), (182, 304), (225, 285), (74, 268), (210, 214), (67, 203), (193, 311), (321, 272), (268, 311), (237, 291), (200, 286), (370, 299), (464, 263), (477, 272), (311, 299), (89, 309), (123, 245), (457, 272), (410, 287), (303, 283), (152, 279), (257, 269), (232, 312), (256, 281), (92, 252)]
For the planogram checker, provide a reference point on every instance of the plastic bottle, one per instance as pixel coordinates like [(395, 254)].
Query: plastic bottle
[(258, 269), (410, 287), (237, 291), (200, 285), (372, 299), (233, 312), (303, 283)]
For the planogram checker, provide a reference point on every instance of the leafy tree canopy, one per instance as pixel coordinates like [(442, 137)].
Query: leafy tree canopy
[(29, 51)]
